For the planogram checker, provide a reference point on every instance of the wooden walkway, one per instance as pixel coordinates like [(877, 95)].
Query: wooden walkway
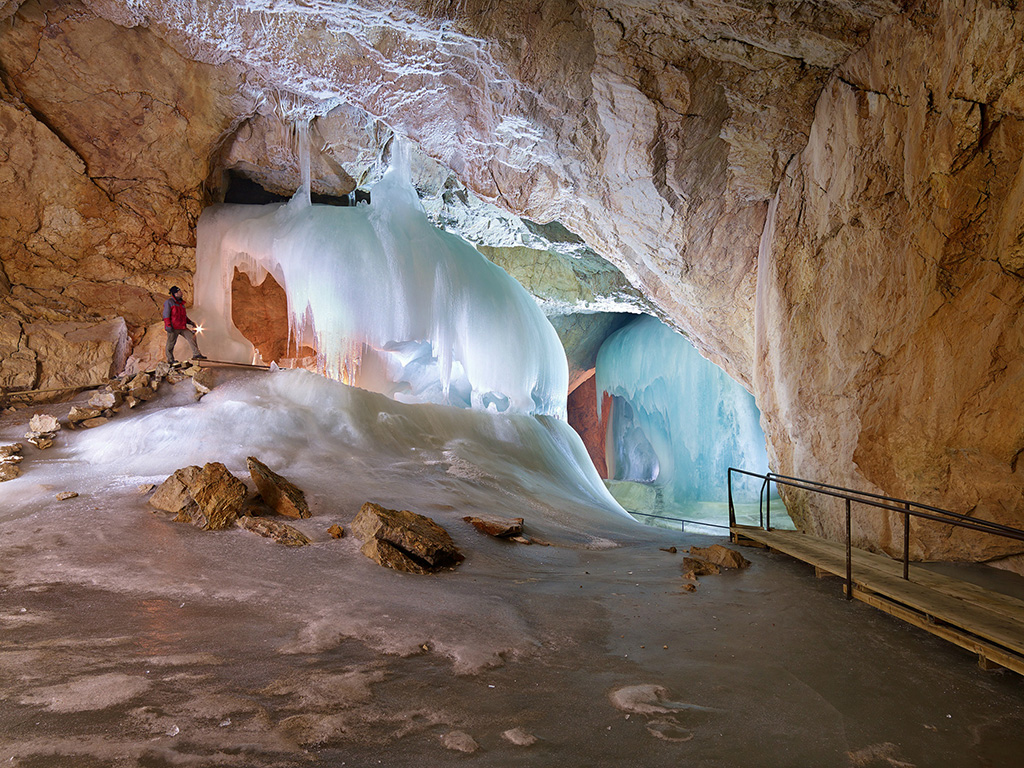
[(988, 623)]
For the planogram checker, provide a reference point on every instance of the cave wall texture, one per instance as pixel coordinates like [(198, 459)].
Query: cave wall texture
[(825, 197)]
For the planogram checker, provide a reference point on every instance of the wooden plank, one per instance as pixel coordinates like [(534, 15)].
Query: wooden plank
[(989, 656), (989, 616)]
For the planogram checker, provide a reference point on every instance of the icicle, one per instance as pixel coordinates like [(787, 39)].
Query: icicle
[(303, 195)]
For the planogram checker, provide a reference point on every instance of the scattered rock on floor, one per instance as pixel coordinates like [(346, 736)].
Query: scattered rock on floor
[(460, 741), (202, 379), (174, 494), (10, 457), (336, 532), (403, 540), (519, 737), (274, 529), (43, 429), (281, 495), (65, 495), (210, 498), (719, 555), (493, 525), (145, 488), (77, 415), (670, 550), (219, 496), (694, 567)]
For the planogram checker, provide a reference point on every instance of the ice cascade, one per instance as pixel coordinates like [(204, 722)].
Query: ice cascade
[(678, 421), (390, 303)]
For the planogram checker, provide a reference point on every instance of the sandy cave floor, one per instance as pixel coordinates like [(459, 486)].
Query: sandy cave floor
[(129, 640)]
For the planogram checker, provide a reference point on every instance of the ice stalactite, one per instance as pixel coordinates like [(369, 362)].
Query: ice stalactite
[(678, 421), (390, 303)]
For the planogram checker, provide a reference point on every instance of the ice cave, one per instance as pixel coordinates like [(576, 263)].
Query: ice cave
[(580, 384)]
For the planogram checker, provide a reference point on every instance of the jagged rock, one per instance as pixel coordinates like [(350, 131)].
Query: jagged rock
[(96, 422), (403, 540), (139, 380), (336, 532), (77, 415), (694, 567), (202, 379), (174, 494), (41, 442), (460, 741), (162, 369), (12, 449), (689, 586), (145, 488), (219, 496), (493, 525), (280, 494), (274, 529), (142, 394), (719, 555), (519, 737), (104, 400), (43, 424), (9, 470), (65, 495)]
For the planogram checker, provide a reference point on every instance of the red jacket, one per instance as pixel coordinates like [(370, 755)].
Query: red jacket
[(174, 314)]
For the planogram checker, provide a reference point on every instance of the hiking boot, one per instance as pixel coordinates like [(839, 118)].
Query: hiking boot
[(198, 357)]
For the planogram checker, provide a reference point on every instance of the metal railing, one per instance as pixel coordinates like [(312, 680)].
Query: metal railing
[(904, 507), (681, 520)]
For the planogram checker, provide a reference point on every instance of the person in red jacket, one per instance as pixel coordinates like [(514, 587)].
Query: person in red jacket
[(177, 323)]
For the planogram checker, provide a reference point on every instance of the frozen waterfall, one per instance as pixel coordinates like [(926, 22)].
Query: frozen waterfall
[(390, 303), (678, 421)]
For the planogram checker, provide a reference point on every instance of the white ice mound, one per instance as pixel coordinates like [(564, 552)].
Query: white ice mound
[(348, 445), (390, 303), (678, 420)]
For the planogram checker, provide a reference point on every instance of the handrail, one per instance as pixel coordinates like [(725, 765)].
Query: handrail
[(906, 508), (681, 520)]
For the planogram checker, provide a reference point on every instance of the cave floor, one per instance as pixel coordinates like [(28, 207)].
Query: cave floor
[(129, 640)]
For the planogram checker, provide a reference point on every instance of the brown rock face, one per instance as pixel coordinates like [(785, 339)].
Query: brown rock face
[(891, 333), (280, 495), (260, 313), (403, 540), (210, 497), (582, 416)]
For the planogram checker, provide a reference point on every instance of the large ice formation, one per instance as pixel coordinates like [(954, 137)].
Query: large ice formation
[(678, 421), (390, 303)]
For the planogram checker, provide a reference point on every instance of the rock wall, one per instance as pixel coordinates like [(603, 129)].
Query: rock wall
[(891, 329)]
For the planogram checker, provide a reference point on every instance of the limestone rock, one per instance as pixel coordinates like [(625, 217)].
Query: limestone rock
[(104, 400), (404, 540), (336, 532), (9, 470), (219, 496), (10, 450), (43, 424), (519, 737), (65, 495), (719, 555), (10, 457), (460, 741), (41, 441), (694, 567), (202, 379), (493, 525), (98, 421), (274, 529), (280, 494), (77, 415), (174, 494)]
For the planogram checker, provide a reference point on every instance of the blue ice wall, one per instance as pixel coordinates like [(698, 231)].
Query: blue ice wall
[(678, 421)]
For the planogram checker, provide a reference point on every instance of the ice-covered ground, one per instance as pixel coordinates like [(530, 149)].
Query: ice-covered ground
[(129, 640)]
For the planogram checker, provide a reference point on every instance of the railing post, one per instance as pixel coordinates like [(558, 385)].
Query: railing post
[(849, 555), (732, 509), (906, 543), (768, 503)]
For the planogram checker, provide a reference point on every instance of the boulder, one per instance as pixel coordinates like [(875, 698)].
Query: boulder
[(403, 540), (219, 496), (280, 494), (274, 529), (694, 567), (719, 555), (77, 415), (493, 525), (43, 424), (174, 494)]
